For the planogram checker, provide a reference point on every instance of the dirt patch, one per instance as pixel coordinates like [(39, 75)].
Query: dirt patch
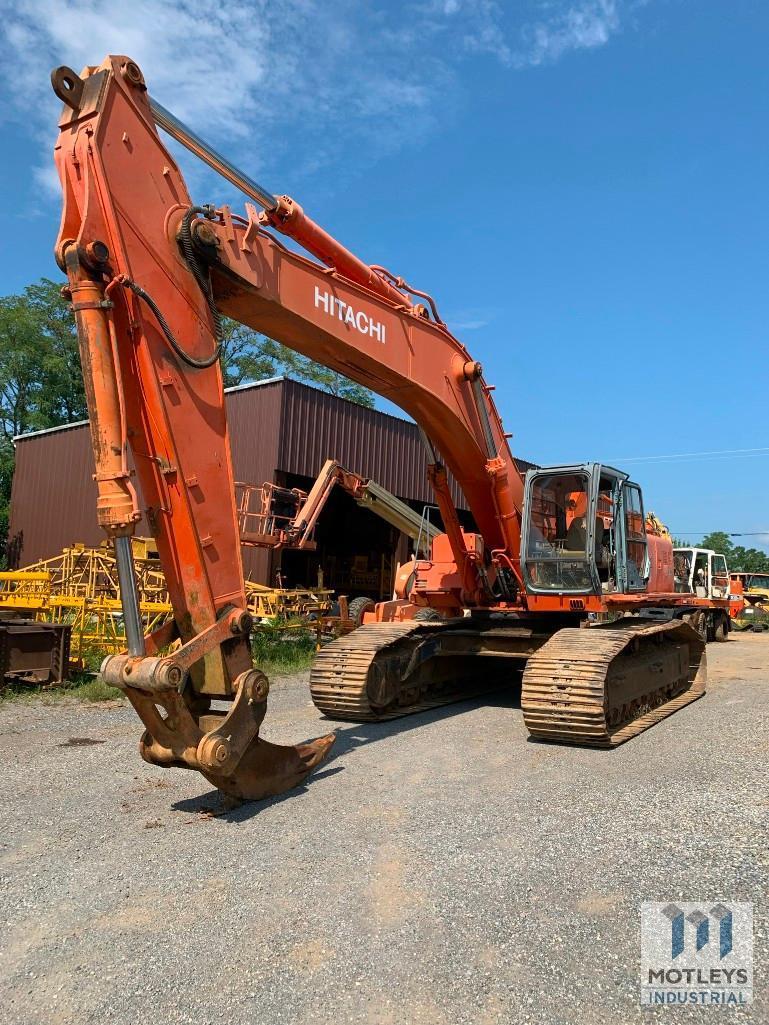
[(80, 742)]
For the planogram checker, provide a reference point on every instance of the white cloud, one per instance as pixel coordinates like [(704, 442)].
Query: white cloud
[(469, 324), (288, 88), (468, 320), (47, 180), (550, 30), (246, 74), (579, 26)]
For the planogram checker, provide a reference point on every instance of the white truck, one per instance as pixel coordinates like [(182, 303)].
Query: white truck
[(704, 573)]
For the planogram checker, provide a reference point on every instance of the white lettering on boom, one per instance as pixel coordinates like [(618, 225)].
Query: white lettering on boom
[(358, 319)]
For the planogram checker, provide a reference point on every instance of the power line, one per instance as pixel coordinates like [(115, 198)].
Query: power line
[(683, 456), (729, 533)]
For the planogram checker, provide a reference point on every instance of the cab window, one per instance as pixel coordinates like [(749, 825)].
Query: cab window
[(557, 549)]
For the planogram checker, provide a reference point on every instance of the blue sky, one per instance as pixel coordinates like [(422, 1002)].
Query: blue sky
[(581, 184)]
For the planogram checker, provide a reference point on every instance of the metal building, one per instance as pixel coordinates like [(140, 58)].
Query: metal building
[(281, 431)]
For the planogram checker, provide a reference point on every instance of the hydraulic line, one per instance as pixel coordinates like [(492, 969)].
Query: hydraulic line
[(204, 283), (483, 416), (129, 596), (282, 212)]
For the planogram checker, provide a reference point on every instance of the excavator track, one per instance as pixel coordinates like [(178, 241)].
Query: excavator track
[(340, 670), (386, 670), (594, 687), (600, 686)]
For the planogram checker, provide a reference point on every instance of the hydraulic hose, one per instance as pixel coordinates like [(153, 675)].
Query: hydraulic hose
[(204, 283)]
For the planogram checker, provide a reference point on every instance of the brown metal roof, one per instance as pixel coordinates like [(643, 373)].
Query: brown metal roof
[(316, 426)]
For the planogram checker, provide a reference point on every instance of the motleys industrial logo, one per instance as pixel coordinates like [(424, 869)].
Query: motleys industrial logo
[(354, 318), (696, 953)]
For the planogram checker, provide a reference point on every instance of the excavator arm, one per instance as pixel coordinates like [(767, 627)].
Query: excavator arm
[(168, 406)]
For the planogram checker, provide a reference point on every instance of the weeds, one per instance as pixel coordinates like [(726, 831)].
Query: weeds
[(284, 648), (81, 686)]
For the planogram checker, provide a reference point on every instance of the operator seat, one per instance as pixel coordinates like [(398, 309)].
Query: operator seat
[(576, 537)]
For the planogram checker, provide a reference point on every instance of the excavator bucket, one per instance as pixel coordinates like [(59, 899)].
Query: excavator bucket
[(225, 748), (268, 769)]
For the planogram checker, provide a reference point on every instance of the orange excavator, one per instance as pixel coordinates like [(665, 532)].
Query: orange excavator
[(150, 274)]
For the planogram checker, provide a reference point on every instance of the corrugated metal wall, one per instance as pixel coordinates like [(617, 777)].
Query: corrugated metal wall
[(316, 426), (253, 415), (53, 498), (274, 426)]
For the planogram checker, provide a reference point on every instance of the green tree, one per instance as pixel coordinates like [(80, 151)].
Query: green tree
[(738, 559), (243, 356), (62, 397), (748, 560), (40, 381), (250, 356), (720, 542), (6, 479)]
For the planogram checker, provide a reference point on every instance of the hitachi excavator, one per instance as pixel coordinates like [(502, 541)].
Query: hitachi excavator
[(150, 275)]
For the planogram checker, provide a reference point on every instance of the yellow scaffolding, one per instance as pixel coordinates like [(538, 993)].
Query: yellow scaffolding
[(80, 587), (287, 603)]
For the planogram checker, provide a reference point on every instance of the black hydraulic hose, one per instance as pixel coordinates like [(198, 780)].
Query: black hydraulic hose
[(204, 282), (198, 364), (202, 276)]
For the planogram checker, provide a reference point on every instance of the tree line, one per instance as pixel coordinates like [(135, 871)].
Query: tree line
[(41, 384), (738, 559)]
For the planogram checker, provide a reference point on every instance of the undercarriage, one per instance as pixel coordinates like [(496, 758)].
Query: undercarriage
[(595, 685)]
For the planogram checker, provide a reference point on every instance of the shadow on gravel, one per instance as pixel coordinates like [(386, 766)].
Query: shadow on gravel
[(349, 736), (352, 735), (216, 805)]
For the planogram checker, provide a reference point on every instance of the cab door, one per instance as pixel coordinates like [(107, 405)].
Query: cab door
[(632, 547), (719, 577)]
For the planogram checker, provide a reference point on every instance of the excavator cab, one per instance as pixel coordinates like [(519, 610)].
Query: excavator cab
[(583, 531)]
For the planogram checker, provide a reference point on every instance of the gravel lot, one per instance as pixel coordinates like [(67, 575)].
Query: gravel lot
[(439, 869)]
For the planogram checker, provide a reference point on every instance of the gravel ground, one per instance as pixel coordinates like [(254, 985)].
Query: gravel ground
[(438, 869)]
